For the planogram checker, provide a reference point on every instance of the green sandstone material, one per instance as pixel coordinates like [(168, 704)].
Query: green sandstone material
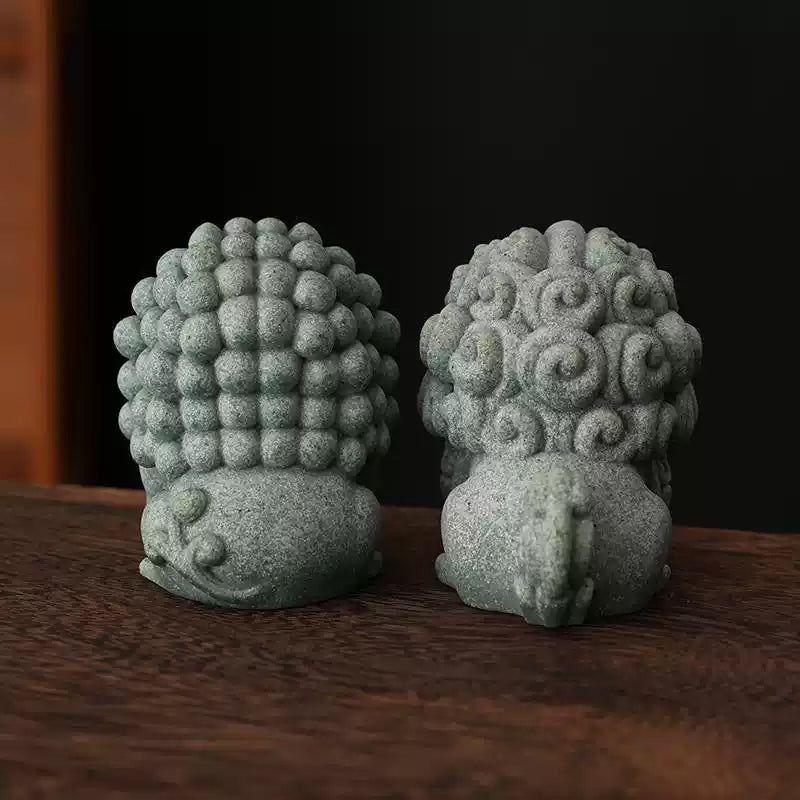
[(559, 373), (258, 388)]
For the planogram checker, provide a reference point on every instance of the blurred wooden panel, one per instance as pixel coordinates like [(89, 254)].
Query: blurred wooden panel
[(29, 380)]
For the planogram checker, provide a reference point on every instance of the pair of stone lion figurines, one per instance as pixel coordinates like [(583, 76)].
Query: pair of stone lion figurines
[(259, 398)]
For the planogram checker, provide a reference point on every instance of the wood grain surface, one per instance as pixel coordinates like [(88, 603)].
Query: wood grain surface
[(110, 688)]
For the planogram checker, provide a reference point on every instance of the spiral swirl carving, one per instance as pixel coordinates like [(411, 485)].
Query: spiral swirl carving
[(652, 279), (563, 342), (644, 369), (626, 433), (497, 294), (477, 364), (569, 298), (633, 295), (563, 368), (440, 338), (469, 293), (515, 431)]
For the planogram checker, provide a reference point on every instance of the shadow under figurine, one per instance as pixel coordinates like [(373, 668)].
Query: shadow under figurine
[(257, 392), (559, 371)]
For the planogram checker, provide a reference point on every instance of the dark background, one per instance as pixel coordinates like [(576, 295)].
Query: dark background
[(408, 133)]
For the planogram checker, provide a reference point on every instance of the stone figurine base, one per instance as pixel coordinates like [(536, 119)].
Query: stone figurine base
[(556, 539), (241, 539)]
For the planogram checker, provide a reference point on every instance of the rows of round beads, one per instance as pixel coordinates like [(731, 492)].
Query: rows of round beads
[(257, 345)]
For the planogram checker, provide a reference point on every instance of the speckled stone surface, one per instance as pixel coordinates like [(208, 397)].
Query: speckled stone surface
[(559, 373), (258, 387), (265, 538)]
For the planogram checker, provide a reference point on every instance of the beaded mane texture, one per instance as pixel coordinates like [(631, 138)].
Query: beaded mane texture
[(559, 366), (258, 388)]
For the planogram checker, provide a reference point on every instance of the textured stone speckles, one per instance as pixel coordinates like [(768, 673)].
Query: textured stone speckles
[(365, 321), (355, 414), (171, 260), (559, 371), (201, 257), (238, 245), (554, 538), (276, 277), (317, 449), (320, 378), (197, 293), (125, 420), (352, 455), (309, 254), (272, 245), (240, 225), (236, 277), (195, 378), (369, 291), (207, 232), (279, 370), (386, 333), (355, 368), (279, 447), (169, 328), (314, 292), (237, 410), (200, 337), (276, 321), (240, 448), (253, 545), (199, 413), (344, 325), (271, 225), (237, 372), (346, 282), (255, 351), (302, 231), (279, 411), (142, 296), (318, 413), (338, 255), (313, 335), (166, 284), (202, 450), (238, 323), (128, 381), (127, 337), (163, 419)]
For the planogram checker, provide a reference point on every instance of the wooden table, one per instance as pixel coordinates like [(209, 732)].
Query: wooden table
[(110, 688)]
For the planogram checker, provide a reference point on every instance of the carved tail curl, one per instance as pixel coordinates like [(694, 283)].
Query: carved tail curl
[(555, 549)]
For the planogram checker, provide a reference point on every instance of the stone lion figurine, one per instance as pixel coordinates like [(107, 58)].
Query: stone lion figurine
[(258, 393), (558, 372)]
